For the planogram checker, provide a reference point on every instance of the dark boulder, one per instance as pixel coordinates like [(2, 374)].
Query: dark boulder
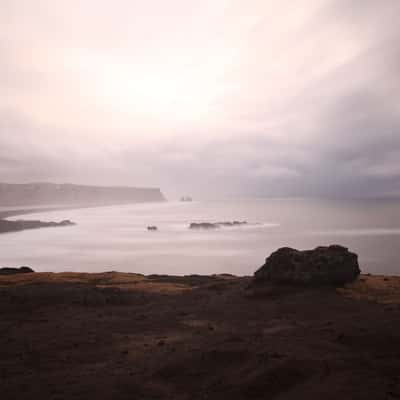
[(11, 271), (332, 265), (152, 228)]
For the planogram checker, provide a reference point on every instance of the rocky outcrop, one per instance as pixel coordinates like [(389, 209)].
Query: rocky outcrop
[(20, 225), (233, 223), (203, 225), (11, 271), (215, 225), (332, 265)]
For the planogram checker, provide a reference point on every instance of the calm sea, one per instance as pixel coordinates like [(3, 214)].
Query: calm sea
[(116, 238)]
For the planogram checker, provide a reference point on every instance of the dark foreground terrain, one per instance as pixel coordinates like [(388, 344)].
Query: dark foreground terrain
[(126, 336)]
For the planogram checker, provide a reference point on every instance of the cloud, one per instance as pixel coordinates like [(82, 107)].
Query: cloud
[(296, 98)]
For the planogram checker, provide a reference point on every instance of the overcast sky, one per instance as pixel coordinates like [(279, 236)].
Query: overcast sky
[(208, 98)]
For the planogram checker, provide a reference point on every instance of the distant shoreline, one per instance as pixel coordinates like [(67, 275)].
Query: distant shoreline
[(12, 212), (7, 226), (15, 212)]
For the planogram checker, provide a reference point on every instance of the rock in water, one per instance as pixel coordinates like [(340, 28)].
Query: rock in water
[(203, 225), (332, 265), (66, 222), (215, 225)]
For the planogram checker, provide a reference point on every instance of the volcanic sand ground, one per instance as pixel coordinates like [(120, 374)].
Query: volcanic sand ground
[(127, 336)]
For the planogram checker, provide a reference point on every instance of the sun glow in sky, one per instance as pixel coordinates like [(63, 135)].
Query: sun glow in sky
[(171, 93)]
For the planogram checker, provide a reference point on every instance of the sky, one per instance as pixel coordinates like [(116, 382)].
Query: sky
[(206, 98)]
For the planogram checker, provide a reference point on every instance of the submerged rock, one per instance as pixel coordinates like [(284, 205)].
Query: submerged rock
[(152, 228), (215, 225), (233, 223), (203, 225), (65, 222), (11, 271), (333, 265)]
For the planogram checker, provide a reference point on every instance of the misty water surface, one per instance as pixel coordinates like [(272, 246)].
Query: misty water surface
[(116, 238)]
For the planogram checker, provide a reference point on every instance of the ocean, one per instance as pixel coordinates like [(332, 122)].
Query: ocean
[(116, 237)]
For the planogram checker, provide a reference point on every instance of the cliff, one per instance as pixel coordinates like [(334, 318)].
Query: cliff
[(69, 194)]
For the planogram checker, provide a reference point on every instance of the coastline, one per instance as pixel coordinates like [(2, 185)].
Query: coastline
[(12, 212), (10, 226), (15, 212)]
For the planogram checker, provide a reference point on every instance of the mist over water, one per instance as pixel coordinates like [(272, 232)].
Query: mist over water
[(116, 237)]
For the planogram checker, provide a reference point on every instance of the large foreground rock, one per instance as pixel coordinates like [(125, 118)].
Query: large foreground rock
[(333, 265)]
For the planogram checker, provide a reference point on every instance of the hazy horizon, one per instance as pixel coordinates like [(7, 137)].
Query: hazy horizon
[(212, 99), (171, 197)]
